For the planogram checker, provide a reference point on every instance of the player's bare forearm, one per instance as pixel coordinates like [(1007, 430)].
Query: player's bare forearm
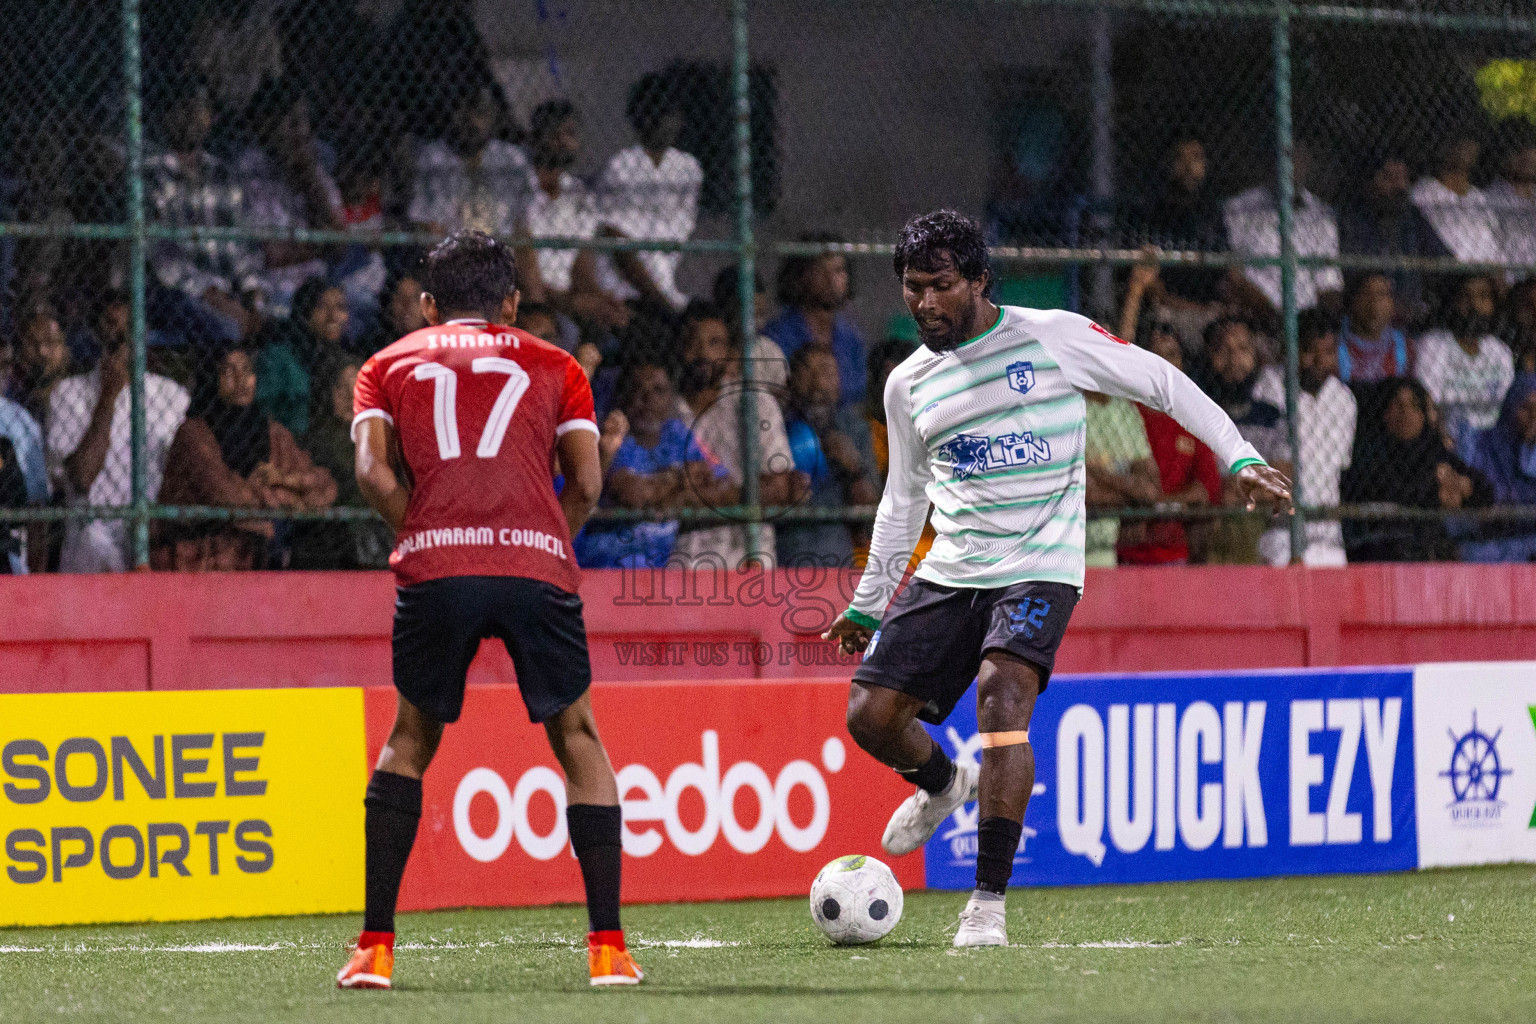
[(388, 500), (576, 510), (581, 466), (380, 485)]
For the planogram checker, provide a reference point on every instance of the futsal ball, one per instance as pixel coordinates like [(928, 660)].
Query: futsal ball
[(855, 899)]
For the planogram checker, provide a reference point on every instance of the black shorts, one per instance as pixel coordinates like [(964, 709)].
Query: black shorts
[(439, 625), (932, 640)]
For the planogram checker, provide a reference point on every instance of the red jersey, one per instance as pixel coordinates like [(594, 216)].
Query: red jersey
[(1181, 458), (478, 408)]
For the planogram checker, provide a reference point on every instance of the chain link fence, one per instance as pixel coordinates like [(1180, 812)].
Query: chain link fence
[(211, 213)]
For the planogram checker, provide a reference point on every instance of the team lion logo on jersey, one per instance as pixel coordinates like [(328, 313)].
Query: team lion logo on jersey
[(1021, 377), (970, 454)]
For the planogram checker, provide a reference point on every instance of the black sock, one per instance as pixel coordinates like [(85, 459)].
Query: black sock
[(997, 840), (393, 810), (935, 775), (596, 836)]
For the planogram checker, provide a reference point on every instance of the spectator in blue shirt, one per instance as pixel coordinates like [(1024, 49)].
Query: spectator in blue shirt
[(659, 467), (24, 481), (831, 445), (813, 291), (1506, 455), (1370, 348)]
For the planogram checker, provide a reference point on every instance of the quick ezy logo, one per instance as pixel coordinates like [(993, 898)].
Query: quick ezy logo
[(1138, 779)]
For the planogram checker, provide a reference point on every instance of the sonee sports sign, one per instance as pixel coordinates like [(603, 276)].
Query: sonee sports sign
[(176, 806)]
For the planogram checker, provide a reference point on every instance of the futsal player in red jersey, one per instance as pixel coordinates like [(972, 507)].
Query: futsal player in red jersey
[(458, 426)]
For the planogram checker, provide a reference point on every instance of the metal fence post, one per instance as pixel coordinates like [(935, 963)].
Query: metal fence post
[(1102, 175), (1286, 203), (133, 83), (746, 275)]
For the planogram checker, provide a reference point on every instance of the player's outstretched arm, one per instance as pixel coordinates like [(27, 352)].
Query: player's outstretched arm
[(898, 522), (1095, 360), (377, 478), (582, 467)]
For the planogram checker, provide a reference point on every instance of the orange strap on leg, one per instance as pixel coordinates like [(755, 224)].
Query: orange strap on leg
[(1004, 739)]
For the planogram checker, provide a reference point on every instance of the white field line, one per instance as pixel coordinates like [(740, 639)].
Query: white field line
[(1108, 944), (696, 942), (194, 947)]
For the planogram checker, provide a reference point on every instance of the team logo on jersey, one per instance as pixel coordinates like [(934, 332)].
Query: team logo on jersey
[(970, 454), (1021, 377)]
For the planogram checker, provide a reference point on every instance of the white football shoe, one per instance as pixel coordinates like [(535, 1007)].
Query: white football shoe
[(982, 923), (921, 814)]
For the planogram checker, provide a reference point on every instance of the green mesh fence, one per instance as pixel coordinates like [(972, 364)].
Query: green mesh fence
[(212, 212)]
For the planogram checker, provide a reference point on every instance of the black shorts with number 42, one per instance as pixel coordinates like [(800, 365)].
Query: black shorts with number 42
[(933, 638)]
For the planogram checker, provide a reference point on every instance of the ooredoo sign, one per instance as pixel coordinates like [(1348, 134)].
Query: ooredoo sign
[(729, 790)]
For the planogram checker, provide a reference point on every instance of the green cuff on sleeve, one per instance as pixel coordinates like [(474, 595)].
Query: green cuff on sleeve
[(859, 618), (1242, 464)]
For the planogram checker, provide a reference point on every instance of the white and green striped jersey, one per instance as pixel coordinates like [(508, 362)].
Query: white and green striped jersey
[(992, 434)]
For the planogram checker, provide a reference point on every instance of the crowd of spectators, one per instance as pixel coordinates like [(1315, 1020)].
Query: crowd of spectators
[(1417, 390), (253, 344), (1412, 385)]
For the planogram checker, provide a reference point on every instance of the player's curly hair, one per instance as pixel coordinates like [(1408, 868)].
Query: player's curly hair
[(470, 272), (933, 241)]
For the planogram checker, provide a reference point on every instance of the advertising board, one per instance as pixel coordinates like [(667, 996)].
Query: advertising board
[(1474, 729), (180, 806), (1160, 777), (730, 789)]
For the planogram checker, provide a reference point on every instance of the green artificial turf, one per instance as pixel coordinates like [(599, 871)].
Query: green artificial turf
[(1434, 946)]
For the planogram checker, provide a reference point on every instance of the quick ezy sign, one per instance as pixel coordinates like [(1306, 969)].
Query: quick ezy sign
[(1163, 777)]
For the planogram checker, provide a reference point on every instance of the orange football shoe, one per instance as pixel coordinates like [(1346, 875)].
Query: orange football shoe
[(370, 967), (609, 961)]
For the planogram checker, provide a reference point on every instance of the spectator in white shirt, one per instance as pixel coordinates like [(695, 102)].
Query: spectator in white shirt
[(650, 191), (471, 180), (1465, 369), (1458, 210), (561, 206), (203, 290), (89, 454), (1325, 432), (1513, 198), (1253, 228)]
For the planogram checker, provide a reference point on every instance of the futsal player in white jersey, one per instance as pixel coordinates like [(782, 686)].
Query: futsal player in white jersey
[(986, 422)]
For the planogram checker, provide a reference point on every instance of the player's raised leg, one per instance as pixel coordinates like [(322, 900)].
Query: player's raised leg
[(1006, 689), (595, 821), (884, 723), (393, 810)]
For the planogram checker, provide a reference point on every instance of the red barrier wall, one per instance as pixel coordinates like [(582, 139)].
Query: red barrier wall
[(171, 631)]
